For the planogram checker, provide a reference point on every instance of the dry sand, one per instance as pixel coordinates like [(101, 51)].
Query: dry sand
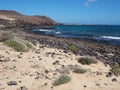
[(35, 71)]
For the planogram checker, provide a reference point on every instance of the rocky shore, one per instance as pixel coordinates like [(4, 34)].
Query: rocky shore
[(107, 53)]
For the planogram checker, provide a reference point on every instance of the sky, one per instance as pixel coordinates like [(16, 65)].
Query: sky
[(69, 11)]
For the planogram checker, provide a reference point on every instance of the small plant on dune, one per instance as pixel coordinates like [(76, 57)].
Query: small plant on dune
[(28, 45), (116, 69), (79, 70), (62, 80), (71, 67), (18, 45), (73, 48), (87, 61)]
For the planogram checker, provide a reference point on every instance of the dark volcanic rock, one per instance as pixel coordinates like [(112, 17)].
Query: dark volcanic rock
[(114, 80), (23, 88), (10, 83)]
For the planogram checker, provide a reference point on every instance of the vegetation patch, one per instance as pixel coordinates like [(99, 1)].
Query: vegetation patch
[(71, 67), (62, 80), (87, 61), (73, 48), (76, 69), (18, 44), (116, 69), (79, 70)]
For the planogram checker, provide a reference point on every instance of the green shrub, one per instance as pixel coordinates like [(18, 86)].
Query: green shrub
[(79, 70), (116, 69), (62, 80), (73, 48), (28, 45), (71, 67), (18, 44), (87, 61)]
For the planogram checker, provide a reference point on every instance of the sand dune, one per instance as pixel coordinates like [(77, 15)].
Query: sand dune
[(34, 70)]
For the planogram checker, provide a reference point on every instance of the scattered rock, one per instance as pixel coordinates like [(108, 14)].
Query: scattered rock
[(21, 53), (51, 87), (4, 59), (20, 81), (105, 84), (19, 56), (109, 74), (46, 71), (10, 83), (65, 51), (114, 80), (84, 86), (98, 84), (45, 84), (7, 52), (98, 73), (56, 63), (23, 88), (37, 51), (37, 77), (35, 66)]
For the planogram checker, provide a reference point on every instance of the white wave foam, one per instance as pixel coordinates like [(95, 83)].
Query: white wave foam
[(43, 30), (110, 37), (58, 32)]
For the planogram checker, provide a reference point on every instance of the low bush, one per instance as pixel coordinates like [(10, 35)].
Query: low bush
[(116, 69), (76, 69), (73, 48), (18, 45), (87, 61), (79, 70), (71, 67), (62, 80)]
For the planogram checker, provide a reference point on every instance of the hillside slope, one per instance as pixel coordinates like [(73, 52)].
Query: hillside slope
[(14, 19)]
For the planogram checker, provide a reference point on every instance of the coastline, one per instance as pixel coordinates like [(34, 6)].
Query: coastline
[(38, 68), (107, 53), (101, 50)]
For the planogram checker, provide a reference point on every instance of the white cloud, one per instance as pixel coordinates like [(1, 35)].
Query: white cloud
[(88, 2)]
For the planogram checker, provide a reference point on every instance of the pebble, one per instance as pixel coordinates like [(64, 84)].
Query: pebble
[(85, 86), (98, 84), (114, 80), (19, 56), (10, 83), (23, 88), (3, 59)]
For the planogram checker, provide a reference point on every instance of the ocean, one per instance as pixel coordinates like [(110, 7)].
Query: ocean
[(104, 33)]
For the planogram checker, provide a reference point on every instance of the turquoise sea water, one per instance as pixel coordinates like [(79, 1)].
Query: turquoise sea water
[(108, 33)]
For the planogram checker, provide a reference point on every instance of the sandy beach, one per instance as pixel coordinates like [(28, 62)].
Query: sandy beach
[(36, 70)]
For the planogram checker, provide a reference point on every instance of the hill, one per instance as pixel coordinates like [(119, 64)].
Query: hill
[(13, 19)]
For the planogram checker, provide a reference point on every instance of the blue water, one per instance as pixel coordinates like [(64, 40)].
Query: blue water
[(108, 33)]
